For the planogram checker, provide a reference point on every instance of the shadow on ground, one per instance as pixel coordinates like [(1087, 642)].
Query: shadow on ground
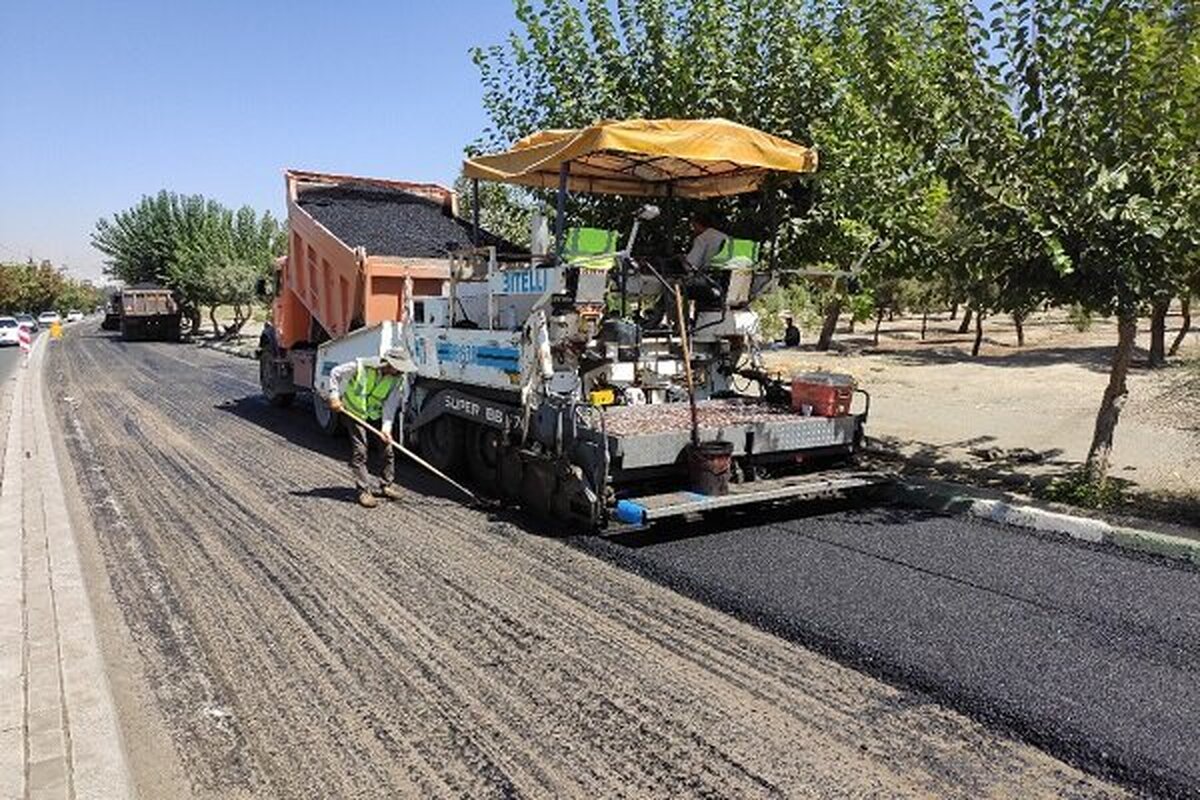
[(1028, 472), (1095, 358), (296, 425)]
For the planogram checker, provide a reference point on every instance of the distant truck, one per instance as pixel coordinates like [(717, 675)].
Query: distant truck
[(144, 312)]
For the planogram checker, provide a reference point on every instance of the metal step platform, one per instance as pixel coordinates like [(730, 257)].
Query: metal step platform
[(830, 483)]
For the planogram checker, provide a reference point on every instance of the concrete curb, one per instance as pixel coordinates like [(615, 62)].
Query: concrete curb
[(59, 734), (957, 499)]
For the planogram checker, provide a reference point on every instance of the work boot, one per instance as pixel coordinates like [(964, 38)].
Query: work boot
[(366, 499), (390, 491)]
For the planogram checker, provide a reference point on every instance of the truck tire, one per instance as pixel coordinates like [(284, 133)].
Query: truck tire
[(329, 422), (483, 447), (267, 381), (441, 443)]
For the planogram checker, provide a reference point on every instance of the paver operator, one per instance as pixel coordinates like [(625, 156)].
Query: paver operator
[(370, 390), (707, 241)]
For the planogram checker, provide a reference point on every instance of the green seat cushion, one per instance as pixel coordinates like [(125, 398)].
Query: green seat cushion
[(590, 248), (589, 242), (737, 253)]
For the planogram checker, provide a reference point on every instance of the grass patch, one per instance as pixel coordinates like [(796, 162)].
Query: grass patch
[(1076, 488)]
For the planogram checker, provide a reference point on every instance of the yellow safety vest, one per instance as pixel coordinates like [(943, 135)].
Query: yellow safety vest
[(367, 392)]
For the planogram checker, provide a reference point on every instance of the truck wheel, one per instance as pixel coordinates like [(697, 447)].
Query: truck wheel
[(329, 422), (441, 442), (483, 456), (267, 381)]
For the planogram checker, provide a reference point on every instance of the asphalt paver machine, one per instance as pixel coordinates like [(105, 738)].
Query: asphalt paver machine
[(580, 378), (591, 386)]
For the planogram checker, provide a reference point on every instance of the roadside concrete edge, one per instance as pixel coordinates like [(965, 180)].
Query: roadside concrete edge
[(957, 499), (72, 741)]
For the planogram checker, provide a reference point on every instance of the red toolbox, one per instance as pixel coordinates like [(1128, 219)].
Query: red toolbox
[(822, 394)]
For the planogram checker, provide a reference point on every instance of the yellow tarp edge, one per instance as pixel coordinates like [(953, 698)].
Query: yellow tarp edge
[(744, 154)]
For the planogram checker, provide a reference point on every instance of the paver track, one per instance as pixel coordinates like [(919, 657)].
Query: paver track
[(296, 645)]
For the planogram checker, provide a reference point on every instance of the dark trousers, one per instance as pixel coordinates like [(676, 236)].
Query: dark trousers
[(360, 441)]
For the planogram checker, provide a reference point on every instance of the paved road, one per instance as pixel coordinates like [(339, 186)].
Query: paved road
[(289, 643), (1092, 653)]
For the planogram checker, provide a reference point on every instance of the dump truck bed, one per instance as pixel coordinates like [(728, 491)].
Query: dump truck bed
[(148, 302), (341, 284), (388, 221)]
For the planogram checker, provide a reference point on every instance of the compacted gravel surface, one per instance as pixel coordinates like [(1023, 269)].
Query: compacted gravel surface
[(288, 643)]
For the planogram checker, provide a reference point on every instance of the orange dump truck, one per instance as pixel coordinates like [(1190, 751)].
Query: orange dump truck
[(356, 247)]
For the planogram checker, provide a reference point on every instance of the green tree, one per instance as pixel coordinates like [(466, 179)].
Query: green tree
[(206, 253), (1066, 131), (785, 66), (36, 287)]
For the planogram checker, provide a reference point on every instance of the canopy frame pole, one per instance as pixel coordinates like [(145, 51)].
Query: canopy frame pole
[(475, 212), (671, 221), (623, 265), (560, 211), (772, 220)]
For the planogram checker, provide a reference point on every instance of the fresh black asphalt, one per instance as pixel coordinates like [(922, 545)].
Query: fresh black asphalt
[(1092, 653), (391, 222)]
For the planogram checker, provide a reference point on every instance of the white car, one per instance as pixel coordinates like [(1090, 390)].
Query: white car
[(9, 332), (48, 318), (74, 316)]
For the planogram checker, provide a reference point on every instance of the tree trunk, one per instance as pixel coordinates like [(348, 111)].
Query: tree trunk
[(966, 320), (1115, 395), (1158, 332), (924, 324), (850, 324), (1185, 326), (1019, 322), (954, 311), (878, 322), (827, 328), (212, 316), (978, 333)]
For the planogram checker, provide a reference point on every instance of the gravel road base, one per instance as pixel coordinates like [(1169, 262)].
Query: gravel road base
[(292, 644)]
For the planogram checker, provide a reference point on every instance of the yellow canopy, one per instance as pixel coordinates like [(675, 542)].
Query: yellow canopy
[(696, 158)]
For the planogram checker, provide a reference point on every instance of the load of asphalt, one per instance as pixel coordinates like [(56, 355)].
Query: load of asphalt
[(389, 222)]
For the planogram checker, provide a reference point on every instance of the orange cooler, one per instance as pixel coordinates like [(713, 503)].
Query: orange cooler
[(822, 394)]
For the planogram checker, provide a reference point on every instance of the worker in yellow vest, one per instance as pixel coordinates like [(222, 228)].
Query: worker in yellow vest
[(370, 390)]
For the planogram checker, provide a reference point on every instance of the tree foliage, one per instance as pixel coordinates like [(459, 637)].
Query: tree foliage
[(34, 288), (1043, 150), (208, 254)]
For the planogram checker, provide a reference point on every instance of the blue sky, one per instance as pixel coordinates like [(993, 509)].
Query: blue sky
[(103, 102)]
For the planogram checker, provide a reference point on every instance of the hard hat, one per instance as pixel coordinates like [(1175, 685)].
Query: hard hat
[(398, 359)]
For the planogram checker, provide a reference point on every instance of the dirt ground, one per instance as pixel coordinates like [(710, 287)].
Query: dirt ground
[(979, 418)]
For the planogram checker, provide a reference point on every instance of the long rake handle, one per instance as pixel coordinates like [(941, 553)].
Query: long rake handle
[(410, 454)]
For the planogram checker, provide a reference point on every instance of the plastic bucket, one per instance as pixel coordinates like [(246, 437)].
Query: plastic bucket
[(709, 465)]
